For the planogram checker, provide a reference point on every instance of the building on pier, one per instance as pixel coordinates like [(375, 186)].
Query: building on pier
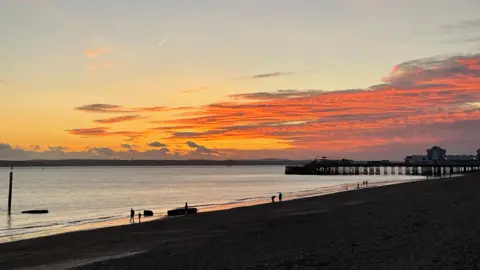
[(417, 159), (461, 157), (436, 153)]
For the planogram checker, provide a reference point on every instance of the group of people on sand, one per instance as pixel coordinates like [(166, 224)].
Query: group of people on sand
[(132, 216), (132, 212), (279, 197), (364, 184)]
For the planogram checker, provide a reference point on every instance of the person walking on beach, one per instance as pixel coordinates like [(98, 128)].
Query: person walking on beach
[(186, 208), (139, 216), (132, 216), (273, 199), (280, 197)]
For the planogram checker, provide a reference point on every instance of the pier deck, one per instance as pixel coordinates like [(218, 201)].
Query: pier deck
[(349, 167)]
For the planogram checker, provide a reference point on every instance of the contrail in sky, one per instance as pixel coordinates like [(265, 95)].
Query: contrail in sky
[(160, 44)]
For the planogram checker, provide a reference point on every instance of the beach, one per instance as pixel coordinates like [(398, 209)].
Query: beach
[(80, 198), (417, 225)]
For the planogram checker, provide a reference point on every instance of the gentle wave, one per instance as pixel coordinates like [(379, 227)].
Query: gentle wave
[(30, 227), (88, 220), (22, 230)]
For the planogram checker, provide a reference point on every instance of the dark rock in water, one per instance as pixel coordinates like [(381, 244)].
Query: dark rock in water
[(41, 211), (181, 211), (147, 213)]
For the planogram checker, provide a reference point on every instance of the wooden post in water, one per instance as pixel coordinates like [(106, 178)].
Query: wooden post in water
[(10, 193)]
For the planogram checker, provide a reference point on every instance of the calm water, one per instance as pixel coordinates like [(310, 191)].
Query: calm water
[(76, 195)]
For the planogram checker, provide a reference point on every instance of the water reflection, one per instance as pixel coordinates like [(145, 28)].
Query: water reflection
[(9, 222)]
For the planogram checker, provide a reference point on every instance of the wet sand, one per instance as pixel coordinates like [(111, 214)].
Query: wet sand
[(424, 224)]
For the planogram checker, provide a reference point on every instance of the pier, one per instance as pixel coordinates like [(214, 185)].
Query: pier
[(350, 167)]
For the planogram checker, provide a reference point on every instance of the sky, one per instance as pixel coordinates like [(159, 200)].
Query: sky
[(211, 79)]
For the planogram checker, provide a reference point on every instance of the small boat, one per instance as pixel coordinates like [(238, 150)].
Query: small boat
[(37, 211), (181, 211), (147, 213)]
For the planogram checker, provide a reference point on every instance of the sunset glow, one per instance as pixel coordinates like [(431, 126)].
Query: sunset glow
[(269, 87)]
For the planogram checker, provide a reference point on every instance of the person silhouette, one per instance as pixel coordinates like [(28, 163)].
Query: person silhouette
[(280, 197), (273, 199), (139, 216), (186, 208), (132, 216)]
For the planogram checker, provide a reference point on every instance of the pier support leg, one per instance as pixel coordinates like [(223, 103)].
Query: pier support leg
[(10, 194)]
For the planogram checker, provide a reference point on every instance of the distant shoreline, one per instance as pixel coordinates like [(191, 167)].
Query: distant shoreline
[(113, 163)]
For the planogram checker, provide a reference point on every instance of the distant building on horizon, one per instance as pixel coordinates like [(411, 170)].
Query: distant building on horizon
[(437, 154)]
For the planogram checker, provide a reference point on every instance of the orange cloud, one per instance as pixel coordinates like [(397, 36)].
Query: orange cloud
[(104, 132), (428, 92), (421, 102), (118, 119)]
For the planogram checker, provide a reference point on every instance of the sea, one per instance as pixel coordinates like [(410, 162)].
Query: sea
[(78, 197)]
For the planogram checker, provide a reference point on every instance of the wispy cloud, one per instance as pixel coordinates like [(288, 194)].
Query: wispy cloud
[(194, 90), (57, 148), (264, 76), (270, 75), (104, 132), (114, 108), (157, 144), (463, 25), (118, 119), (472, 39), (200, 149), (128, 146), (94, 53), (151, 109), (463, 32), (103, 108), (95, 131), (279, 94)]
